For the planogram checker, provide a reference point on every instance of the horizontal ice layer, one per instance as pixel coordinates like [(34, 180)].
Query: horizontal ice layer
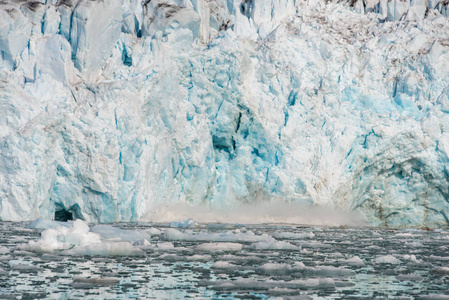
[(250, 284), (230, 236), (109, 232), (274, 245), (293, 235), (219, 247), (109, 110)]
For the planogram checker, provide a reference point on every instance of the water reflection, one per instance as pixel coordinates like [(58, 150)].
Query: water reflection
[(324, 263)]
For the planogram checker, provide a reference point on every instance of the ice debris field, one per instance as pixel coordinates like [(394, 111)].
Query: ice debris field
[(120, 110), (182, 260)]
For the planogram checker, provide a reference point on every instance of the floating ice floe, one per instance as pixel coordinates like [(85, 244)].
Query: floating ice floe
[(328, 271), (315, 245), (411, 258), (293, 235), (387, 259), (165, 246), (274, 245), (277, 268), (353, 261), (215, 247), (253, 259), (78, 240), (249, 284), (184, 257), (228, 236), (405, 235), (88, 282), (434, 257), (188, 223), (441, 270), (4, 250), (105, 249), (225, 265), (24, 268), (409, 277), (112, 233), (62, 238)]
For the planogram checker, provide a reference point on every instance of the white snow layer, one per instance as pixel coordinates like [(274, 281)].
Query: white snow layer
[(110, 109)]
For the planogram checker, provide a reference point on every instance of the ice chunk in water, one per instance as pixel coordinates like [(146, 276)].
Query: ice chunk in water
[(142, 243), (78, 240), (387, 259), (23, 268), (279, 245), (4, 250), (110, 232), (276, 268), (441, 270), (213, 247), (84, 282), (229, 236), (106, 249), (224, 265), (293, 235), (354, 261), (328, 271), (188, 223), (62, 237), (166, 245)]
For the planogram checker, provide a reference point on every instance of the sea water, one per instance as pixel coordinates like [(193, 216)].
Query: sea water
[(222, 261)]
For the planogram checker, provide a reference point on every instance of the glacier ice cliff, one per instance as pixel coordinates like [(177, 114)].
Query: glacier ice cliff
[(110, 109)]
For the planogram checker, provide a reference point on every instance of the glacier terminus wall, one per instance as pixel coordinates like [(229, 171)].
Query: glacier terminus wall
[(110, 109)]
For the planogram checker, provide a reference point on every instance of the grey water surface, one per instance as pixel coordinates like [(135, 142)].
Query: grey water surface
[(338, 263)]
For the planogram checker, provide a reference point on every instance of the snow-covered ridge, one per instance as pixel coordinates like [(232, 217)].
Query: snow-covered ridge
[(110, 109)]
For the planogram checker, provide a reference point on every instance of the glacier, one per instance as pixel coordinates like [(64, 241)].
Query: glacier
[(112, 109)]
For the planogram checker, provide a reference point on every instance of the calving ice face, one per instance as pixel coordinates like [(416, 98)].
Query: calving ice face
[(118, 110)]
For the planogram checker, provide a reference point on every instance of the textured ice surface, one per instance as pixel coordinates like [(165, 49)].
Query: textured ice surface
[(387, 259), (46, 224), (354, 261), (294, 236), (113, 233), (275, 245), (110, 109), (3, 250), (220, 247), (79, 239), (229, 236)]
